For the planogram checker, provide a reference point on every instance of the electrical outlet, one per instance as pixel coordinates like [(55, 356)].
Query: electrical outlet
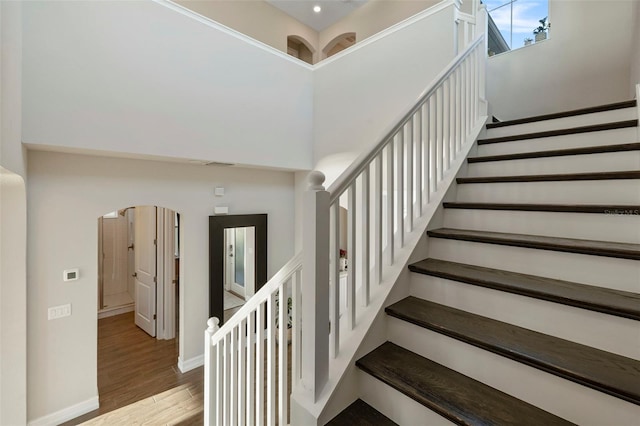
[(59, 311)]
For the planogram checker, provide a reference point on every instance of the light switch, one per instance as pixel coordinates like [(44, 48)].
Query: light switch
[(219, 191), (59, 311), (221, 210)]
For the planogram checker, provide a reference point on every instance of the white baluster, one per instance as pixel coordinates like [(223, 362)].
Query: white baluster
[(446, 142), (426, 136), (439, 136), (452, 116), (400, 187), (283, 355), (233, 377), (227, 380), (419, 159), (366, 250), (242, 365), (260, 356), (433, 135), (377, 227), (296, 300), (468, 101), (315, 303), (463, 103), (410, 176), (210, 372), (219, 418), (251, 368), (390, 201), (334, 295), (352, 255), (271, 359)]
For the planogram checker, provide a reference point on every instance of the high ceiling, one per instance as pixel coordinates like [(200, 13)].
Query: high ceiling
[(332, 10)]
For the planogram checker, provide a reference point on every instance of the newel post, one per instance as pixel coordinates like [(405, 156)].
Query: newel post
[(315, 287), (210, 365)]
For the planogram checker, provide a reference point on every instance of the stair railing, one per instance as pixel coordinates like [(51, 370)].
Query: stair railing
[(249, 359), (249, 363), (384, 192)]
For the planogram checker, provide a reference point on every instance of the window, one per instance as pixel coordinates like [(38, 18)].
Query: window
[(516, 23)]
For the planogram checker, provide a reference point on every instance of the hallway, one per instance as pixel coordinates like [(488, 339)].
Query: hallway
[(139, 381)]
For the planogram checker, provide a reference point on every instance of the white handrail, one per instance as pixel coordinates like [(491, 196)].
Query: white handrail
[(289, 268)]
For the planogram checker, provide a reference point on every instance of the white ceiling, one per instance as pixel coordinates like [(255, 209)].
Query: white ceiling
[(332, 10)]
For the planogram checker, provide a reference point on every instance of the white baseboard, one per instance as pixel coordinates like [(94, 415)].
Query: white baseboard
[(116, 311), (190, 364), (68, 413)]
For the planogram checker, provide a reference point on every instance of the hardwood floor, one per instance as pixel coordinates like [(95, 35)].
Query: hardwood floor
[(138, 379)]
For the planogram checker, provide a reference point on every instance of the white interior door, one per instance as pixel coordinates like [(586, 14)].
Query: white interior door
[(145, 264)]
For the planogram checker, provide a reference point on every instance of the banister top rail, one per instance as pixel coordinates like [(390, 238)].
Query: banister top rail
[(261, 295), (340, 185)]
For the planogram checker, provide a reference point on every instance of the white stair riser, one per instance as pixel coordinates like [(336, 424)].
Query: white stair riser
[(576, 140), (606, 162), (613, 191), (566, 122), (556, 395), (396, 405), (620, 274), (602, 331), (587, 226)]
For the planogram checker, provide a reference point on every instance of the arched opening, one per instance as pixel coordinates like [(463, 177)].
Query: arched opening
[(138, 309), (339, 43), (300, 48), (138, 265)]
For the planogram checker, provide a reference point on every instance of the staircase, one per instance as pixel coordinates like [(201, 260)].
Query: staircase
[(527, 309)]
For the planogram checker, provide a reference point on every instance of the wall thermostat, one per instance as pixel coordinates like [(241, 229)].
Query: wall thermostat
[(70, 274)]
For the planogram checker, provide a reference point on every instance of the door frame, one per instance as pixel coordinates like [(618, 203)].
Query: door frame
[(166, 290), (217, 225)]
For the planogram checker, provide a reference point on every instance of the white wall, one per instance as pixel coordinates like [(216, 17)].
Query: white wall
[(13, 224), (635, 52), (66, 195), (13, 299), (360, 94), (257, 19), (137, 77), (585, 62)]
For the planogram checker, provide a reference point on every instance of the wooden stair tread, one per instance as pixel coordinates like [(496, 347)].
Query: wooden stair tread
[(561, 208), (557, 153), (569, 245), (632, 174), (454, 396), (564, 114), (360, 414), (560, 132), (614, 302), (604, 371)]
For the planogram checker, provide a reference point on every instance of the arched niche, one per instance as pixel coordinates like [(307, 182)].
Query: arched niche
[(300, 48), (339, 43)]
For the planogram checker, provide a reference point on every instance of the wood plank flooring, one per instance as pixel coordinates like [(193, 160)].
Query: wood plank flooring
[(138, 379)]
